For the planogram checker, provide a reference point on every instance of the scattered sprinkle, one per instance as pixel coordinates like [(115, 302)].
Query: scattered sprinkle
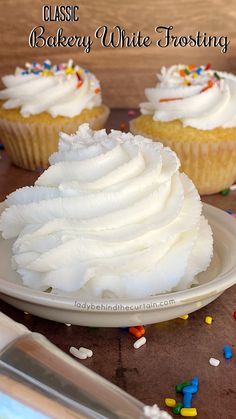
[(233, 187), (26, 312), (227, 352), (170, 402), (225, 192), (77, 353), (184, 317), (137, 331), (140, 342), (208, 320), (68, 324), (214, 362), (190, 412), (177, 408), (179, 387), (87, 351), (122, 126), (234, 314), (81, 353), (131, 112)]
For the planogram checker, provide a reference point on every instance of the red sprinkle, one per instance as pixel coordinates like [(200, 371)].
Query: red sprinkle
[(97, 90), (234, 314), (78, 76), (208, 66)]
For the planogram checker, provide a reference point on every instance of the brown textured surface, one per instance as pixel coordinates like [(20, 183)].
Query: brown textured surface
[(175, 350), (124, 73)]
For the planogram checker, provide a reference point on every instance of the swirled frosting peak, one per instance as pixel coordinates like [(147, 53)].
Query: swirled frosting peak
[(111, 217), (61, 90), (198, 96)]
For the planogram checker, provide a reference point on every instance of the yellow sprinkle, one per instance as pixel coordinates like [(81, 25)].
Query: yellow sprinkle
[(208, 320), (188, 411), (185, 82), (170, 402), (69, 70), (184, 317), (194, 75), (46, 73)]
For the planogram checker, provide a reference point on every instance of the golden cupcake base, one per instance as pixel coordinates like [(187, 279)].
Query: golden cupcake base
[(208, 157), (30, 141)]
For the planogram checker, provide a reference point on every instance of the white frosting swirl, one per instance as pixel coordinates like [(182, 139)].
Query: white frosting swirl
[(112, 216), (196, 105), (58, 92)]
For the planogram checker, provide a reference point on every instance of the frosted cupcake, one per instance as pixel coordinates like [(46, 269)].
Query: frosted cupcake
[(111, 217), (42, 100), (193, 111)]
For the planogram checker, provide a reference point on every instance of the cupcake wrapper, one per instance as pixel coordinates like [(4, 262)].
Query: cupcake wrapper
[(30, 145), (211, 166)]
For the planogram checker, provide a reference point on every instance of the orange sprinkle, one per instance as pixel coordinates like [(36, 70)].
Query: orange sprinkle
[(168, 99), (79, 83), (97, 90), (182, 73), (209, 85), (191, 66), (135, 332), (122, 126), (141, 329)]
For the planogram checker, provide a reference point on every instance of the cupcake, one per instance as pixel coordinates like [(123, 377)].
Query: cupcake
[(42, 100), (193, 111), (111, 217)]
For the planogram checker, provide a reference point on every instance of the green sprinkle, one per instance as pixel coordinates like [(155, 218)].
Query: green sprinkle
[(217, 75), (186, 71), (179, 387), (225, 192), (48, 290), (177, 408)]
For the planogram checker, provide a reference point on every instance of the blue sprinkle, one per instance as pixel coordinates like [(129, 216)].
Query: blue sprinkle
[(229, 211), (199, 70), (190, 389), (227, 352), (195, 381), (187, 400), (86, 71)]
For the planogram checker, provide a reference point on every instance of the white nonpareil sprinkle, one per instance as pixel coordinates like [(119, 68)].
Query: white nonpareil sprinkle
[(214, 362), (140, 342), (153, 412), (68, 324), (77, 353), (233, 187), (87, 351)]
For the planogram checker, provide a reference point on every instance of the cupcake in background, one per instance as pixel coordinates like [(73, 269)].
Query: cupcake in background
[(193, 111), (40, 101)]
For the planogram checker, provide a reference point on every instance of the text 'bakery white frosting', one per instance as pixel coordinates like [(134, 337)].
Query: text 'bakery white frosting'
[(61, 90), (111, 217), (198, 96)]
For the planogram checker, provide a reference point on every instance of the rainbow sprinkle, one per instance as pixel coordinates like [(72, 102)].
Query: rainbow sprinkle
[(46, 69), (190, 73)]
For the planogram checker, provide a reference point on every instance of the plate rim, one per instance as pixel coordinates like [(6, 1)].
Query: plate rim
[(214, 287)]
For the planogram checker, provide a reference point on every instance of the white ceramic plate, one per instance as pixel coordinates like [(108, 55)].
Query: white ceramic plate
[(126, 312)]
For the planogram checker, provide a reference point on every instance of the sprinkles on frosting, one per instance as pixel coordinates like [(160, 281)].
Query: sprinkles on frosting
[(47, 69), (190, 73)]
